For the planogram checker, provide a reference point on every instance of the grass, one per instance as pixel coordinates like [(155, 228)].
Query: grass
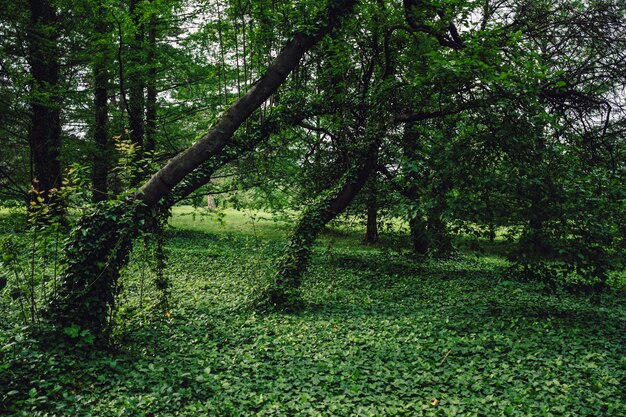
[(383, 333)]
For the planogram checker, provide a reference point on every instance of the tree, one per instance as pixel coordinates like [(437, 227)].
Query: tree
[(45, 102), (101, 240), (102, 57)]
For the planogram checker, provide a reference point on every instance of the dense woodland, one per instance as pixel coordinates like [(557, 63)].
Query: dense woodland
[(313, 207)]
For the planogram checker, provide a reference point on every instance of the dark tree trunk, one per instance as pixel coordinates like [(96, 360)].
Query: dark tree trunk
[(151, 88), (534, 241), (285, 291), (417, 226), (101, 242), (100, 170), (135, 77), (440, 240), (419, 235), (45, 103), (371, 229)]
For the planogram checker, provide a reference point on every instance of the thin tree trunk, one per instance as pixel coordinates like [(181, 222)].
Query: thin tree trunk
[(45, 103), (371, 229)]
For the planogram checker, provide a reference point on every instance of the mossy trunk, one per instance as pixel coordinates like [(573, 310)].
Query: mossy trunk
[(285, 290), (97, 249)]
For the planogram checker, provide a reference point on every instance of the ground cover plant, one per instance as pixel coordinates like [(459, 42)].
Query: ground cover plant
[(382, 333)]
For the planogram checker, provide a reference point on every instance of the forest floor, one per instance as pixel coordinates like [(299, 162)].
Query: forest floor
[(383, 333)]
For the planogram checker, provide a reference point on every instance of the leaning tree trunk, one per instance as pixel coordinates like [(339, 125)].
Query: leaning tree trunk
[(100, 243), (281, 116), (285, 290), (45, 103)]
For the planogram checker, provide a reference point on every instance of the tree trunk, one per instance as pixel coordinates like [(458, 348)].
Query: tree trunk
[(136, 87), (285, 290), (440, 240), (217, 137), (45, 103), (371, 230), (151, 90), (101, 241), (534, 242), (100, 169), (240, 145), (417, 226), (419, 235)]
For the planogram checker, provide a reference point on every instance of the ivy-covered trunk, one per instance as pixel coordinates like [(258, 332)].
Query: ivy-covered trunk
[(285, 290), (97, 248)]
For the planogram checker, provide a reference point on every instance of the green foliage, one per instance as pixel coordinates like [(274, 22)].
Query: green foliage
[(381, 335)]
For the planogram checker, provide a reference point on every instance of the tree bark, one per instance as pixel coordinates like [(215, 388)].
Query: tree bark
[(534, 241), (419, 235), (439, 237), (136, 80), (100, 168), (151, 88), (45, 103)]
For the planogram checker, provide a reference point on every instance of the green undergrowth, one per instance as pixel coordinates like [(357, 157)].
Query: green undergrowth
[(382, 333)]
